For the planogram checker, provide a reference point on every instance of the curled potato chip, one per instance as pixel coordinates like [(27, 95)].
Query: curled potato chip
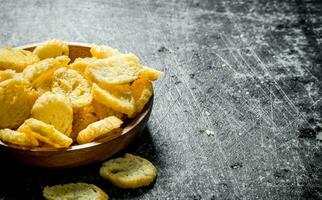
[(18, 138), (71, 84), (142, 91), (16, 59), (54, 109), (82, 118), (45, 133), (119, 69), (150, 73), (102, 111), (9, 74), (98, 129), (51, 49), (80, 64), (103, 51), (42, 71), (16, 100), (119, 102)]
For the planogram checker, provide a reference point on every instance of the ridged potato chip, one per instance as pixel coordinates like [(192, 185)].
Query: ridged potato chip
[(150, 73), (98, 129), (42, 71), (16, 59), (18, 138), (82, 118), (103, 51), (16, 100), (142, 91), (129, 172), (51, 49), (80, 64), (119, 69), (70, 83), (54, 109), (102, 111), (45, 133), (119, 102)]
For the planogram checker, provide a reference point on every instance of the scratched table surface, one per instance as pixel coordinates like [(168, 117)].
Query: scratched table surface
[(238, 113)]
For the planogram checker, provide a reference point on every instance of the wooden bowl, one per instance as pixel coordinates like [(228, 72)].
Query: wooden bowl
[(80, 154)]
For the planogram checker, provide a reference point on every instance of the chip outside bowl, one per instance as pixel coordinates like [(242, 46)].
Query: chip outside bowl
[(78, 155)]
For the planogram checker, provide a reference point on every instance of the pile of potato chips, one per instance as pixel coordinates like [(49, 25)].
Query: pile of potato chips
[(47, 101)]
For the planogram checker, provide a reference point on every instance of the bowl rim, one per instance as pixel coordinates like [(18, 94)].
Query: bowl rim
[(134, 122)]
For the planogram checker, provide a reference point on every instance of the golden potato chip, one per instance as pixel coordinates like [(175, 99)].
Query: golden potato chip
[(82, 118), (8, 74), (16, 100), (18, 138), (74, 191), (103, 51), (16, 59), (98, 129), (54, 109), (142, 91), (42, 71), (45, 133), (51, 49), (70, 83), (122, 88), (150, 73), (119, 69), (129, 172), (80, 64), (102, 111), (119, 102), (110, 136)]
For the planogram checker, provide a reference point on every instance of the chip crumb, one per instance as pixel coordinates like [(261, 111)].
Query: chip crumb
[(206, 113), (210, 133)]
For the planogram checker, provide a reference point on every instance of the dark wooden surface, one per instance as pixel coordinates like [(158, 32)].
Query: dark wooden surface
[(250, 71)]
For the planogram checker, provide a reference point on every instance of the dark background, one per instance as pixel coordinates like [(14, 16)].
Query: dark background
[(248, 70)]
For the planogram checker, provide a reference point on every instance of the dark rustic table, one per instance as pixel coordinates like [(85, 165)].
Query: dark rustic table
[(238, 114)]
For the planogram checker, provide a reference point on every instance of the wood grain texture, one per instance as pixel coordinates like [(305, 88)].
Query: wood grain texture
[(250, 71)]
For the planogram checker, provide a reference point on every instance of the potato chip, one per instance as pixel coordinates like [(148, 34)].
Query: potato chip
[(122, 88), (74, 191), (18, 138), (150, 73), (119, 102), (110, 136), (98, 129), (129, 171), (54, 109), (70, 83), (102, 111), (9, 74), (42, 71), (119, 69), (16, 100), (16, 59), (80, 64), (82, 118), (45, 133), (51, 49), (142, 91), (103, 51)]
